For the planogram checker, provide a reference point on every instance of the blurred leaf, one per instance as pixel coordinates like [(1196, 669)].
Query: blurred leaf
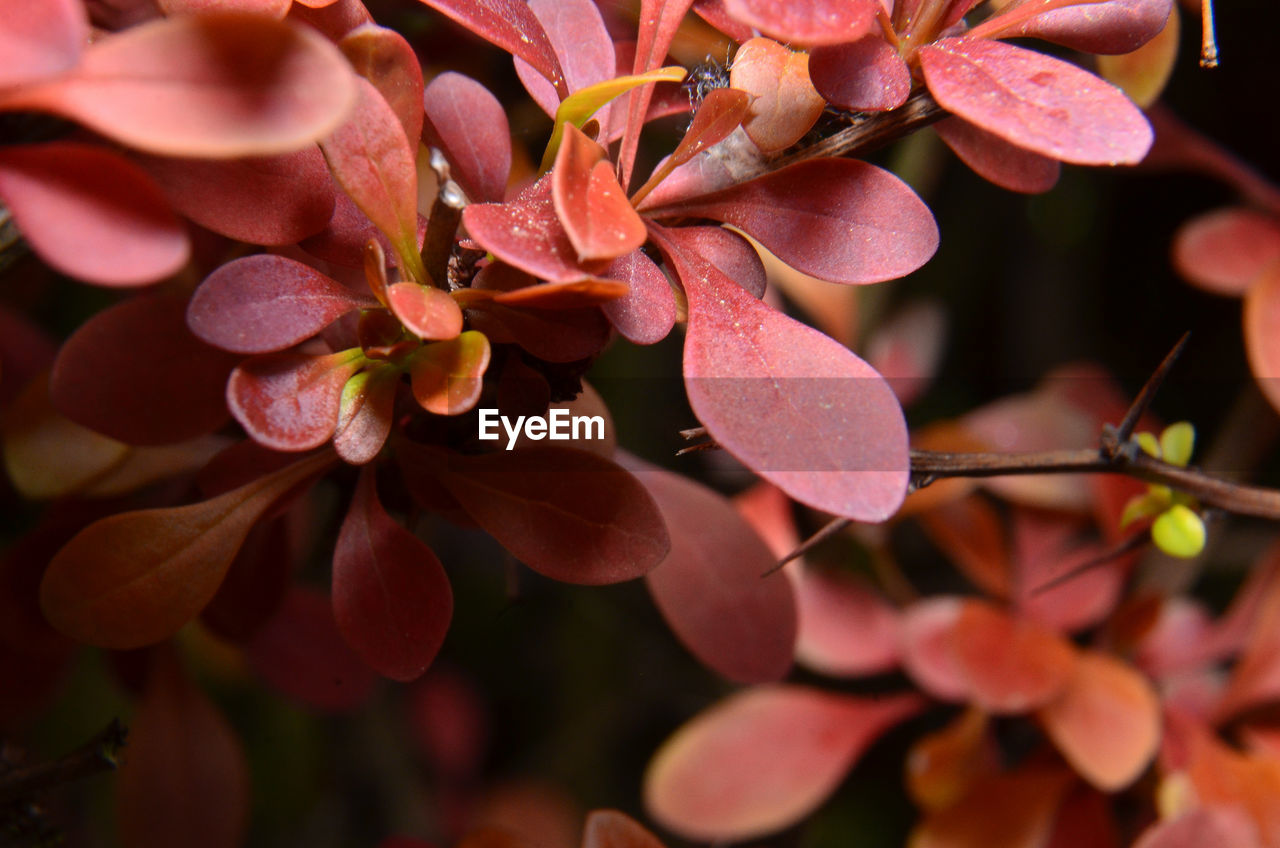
[(996, 160), (386, 59), (1227, 250), (40, 40)]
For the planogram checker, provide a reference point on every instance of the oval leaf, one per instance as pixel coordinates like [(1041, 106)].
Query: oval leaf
[(365, 413), (386, 59), (1261, 337), (447, 376), (1117, 26), (784, 103), (647, 312), (511, 25), (810, 22), (1011, 665), (469, 126), (864, 75), (996, 160), (1226, 250), (597, 217), (290, 401), (391, 596), (527, 234), (582, 44), (763, 759), (41, 39), (426, 311)]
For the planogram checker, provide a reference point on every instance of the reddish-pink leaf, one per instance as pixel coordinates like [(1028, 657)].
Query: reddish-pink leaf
[(1202, 826), (301, 652), (364, 417), (647, 312), (812, 22), (1226, 250), (511, 25), (386, 59), (582, 44), (731, 253), (136, 577), (203, 85), (184, 779), (838, 219), (271, 8), (943, 765), (344, 240), (907, 348), (41, 39), (265, 303), (568, 514), (526, 233), (1011, 665), (271, 200), (846, 628), (391, 596), (1262, 332), (256, 582), (597, 217), (863, 75), (711, 588), (550, 334), (1106, 723), (426, 311), (1117, 26), (90, 214), (719, 114), (447, 376), (659, 20), (371, 159), (1047, 546), (563, 295), (928, 653), (795, 406), (714, 13), (763, 759), (970, 533), (335, 19), (469, 126), (135, 372), (290, 401), (996, 160), (1036, 102), (784, 103)]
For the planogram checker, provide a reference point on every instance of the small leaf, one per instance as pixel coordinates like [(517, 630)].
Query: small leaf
[(1177, 441), (217, 85), (470, 127), (811, 22), (1261, 339), (365, 413), (511, 25), (720, 113), (1179, 532), (928, 649), (838, 219), (1143, 506), (1106, 723), (658, 22), (40, 40), (596, 215), (1226, 250), (1117, 26), (1011, 664), (134, 578), (942, 766), (426, 311), (91, 214), (763, 759), (290, 401), (784, 104), (733, 254), (391, 596), (996, 160), (526, 232), (1036, 102), (559, 296), (864, 75), (265, 303), (567, 514), (447, 376), (647, 312), (795, 406), (582, 44), (386, 59)]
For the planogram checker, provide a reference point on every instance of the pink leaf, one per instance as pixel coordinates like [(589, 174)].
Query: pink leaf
[(1226, 250), (270, 8), (596, 215), (846, 628), (732, 254), (712, 589), (386, 59), (365, 413), (290, 401), (763, 759), (659, 20), (116, 375), (1117, 26), (582, 44), (838, 219), (41, 39), (863, 75), (447, 376), (265, 303), (1036, 102), (996, 160), (426, 311), (91, 214), (567, 514), (928, 655), (1011, 664), (908, 348), (391, 597), (1261, 337), (203, 85), (511, 25), (526, 233), (272, 200), (558, 296), (469, 126), (798, 408), (1201, 826), (647, 312), (812, 22)]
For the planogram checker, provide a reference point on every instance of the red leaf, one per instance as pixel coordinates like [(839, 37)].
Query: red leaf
[(596, 215), (265, 303), (447, 376), (371, 159), (863, 75), (996, 160), (255, 583), (426, 311), (970, 533), (811, 22), (301, 652), (184, 778), (719, 114), (659, 20), (1118, 26), (1106, 723), (908, 347), (714, 13), (290, 401), (203, 85), (511, 25), (135, 372), (391, 596), (732, 254), (647, 312), (526, 233), (711, 588), (553, 335), (1036, 102), (136, 577), (558, 296), (1013, 810), (838, 219), (943, 765), (1226, 250), (1261, 337), (91, 214), (582, 45), (784, 104), (469, 126), (272, 200), (364, 416), (386, 59), (796, 407), (763, 759), (40, 40), (1201, 826), (928, 654), (567, 514), (1011, 665), (846, 629)]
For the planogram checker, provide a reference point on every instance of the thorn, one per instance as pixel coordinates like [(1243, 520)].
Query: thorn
[(1133, 543), (1114, 439), (832, 528)]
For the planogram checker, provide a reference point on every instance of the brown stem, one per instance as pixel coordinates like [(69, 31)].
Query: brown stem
[(97, 755)]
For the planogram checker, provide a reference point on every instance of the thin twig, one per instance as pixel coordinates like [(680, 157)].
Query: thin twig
[(1129, 545), (446, 215), (1117, 438), (97, 755), (831, 528)]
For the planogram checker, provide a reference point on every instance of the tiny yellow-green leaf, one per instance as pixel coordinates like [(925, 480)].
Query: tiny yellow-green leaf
[(1148, 443), (1176, 443), (1179, 532), (1142, 506)]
